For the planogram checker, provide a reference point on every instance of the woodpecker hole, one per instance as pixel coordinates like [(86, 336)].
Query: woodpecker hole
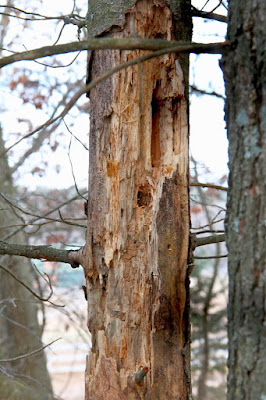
[(144, 196), (155, 135)]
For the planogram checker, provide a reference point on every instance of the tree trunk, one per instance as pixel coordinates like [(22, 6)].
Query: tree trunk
[(19, 328), (138, 212), (244, 72)]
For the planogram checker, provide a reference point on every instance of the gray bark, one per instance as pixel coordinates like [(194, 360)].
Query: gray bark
[(244, 73)]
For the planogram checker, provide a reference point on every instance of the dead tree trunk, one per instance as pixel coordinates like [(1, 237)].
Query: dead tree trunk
[(244, 72), (138, 213)]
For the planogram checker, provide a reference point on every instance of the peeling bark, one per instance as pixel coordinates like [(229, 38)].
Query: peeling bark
[(138, 212)]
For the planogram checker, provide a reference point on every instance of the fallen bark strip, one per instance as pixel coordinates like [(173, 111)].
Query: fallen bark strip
[(129, 43)]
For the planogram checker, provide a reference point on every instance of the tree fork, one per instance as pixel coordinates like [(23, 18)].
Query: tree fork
[(138, 210)]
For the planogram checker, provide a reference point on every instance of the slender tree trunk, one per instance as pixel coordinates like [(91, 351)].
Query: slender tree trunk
[(138, 210), (19, 328), (244, 72)]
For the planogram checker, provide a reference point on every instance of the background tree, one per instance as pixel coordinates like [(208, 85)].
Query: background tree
[(19, 326), (244, 73)]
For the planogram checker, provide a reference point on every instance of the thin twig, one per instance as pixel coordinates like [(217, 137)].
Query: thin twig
[(29, 289), (29, 354), (43, 216), (71, 133), (204, 92), (206, 204), (206, 258), (208, 15), (209, 185), (12, 205), (72, 169)]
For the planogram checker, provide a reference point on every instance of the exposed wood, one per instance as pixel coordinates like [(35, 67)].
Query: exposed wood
[(138, 212)]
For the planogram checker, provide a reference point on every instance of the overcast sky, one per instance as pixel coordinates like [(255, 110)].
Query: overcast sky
[(208, 142)]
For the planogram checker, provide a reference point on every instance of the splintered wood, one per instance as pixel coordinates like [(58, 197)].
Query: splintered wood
[(138, 234)]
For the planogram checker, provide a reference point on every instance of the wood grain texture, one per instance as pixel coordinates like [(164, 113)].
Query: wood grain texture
[(138, 235)]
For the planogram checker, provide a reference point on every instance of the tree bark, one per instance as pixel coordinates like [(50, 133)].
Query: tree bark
[(138, 214), (244, 72)]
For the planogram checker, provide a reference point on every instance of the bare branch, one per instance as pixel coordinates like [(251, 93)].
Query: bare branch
[(38, 252), (37, 143), (72, 18), (210, 231), (118, 44), (209, 185), (208, 15), (209, 257), (195, 89), (208, 240), (16, 323), (72, 170), (49, 219), (72, 134), (29, 354), (29, 289), (43, 216), (177, 49), (210, 224), (207, 204)]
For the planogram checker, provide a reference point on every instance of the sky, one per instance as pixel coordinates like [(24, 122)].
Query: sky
[(208, 142)]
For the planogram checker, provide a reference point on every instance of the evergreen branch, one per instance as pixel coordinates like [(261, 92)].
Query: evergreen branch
[(130, 43)]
